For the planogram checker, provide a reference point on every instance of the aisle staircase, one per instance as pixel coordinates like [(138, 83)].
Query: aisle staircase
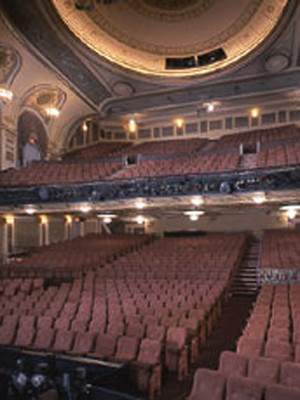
[(245, 280), (248, 161)]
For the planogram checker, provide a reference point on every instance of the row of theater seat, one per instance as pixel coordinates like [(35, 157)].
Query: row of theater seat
[(278, 156), (280, 250), (73, 257), (264, 136), (267, 362), (41, 173), (214, 385), (103, 149), (173, 166), (96, 313), (273, 329), (191, 161)]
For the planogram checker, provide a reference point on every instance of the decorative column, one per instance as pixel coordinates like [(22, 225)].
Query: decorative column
[(44, 237), (82, 228)]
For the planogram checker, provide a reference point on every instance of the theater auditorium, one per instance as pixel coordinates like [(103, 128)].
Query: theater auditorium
[(150, 199)]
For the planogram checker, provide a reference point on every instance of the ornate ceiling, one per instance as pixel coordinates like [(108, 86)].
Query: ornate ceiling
[(141, 34)]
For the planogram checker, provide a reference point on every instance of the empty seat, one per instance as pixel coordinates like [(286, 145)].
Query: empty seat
[(148, 367), (63, 341), (43, 339), (105, 346), (290, 375), (126, 349), (233, 364), (264, 369), (8, 330), (240, 388), (279, 392), (176, 351), (249, 347), (84, 343), (279, 350), (208, 385)]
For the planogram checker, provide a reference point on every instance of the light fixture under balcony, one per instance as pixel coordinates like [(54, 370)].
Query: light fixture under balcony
[(52, 112), (6, 95)]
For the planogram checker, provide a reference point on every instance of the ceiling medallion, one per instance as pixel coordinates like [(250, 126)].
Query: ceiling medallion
[(171, 10), (142, 43)]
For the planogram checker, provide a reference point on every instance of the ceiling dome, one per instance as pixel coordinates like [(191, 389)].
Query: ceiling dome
[(172, 37)]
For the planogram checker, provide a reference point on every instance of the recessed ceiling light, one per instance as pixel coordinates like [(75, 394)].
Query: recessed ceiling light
[(140, 219), (85, 208), (291, 213), (140, 204), (259, 198), (197, 201)]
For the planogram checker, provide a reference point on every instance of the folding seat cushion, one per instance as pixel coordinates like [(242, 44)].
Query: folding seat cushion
[(84, 343), (148, 367), (156, 332), (62, 323), (97, 326), (280, 392), (115, 329), (176, 355), (208, 384), (24, 336), (44, 322), (264, 369), (105, 346), (233, 364), (79, 326), (43, 339), (240, 388), (8, 330), (278, 334), (126, 349), (290, 375), (135, 330), (279, 350), (63, 341), (297, 353)]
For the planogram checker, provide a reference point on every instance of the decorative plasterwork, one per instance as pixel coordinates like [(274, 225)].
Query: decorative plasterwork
[(127, 41), (42, 97), (171, 10), (10, 62), (32, 23)]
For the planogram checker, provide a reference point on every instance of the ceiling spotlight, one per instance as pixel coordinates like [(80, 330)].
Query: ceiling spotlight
[(85, 208), (211, 105), (179, 122), (290, 207), (106, 216), (197, 201), (259, 198), (291, 213), (194, 214), (52, 112), (255, 112), (140, 219), (5, 94)]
